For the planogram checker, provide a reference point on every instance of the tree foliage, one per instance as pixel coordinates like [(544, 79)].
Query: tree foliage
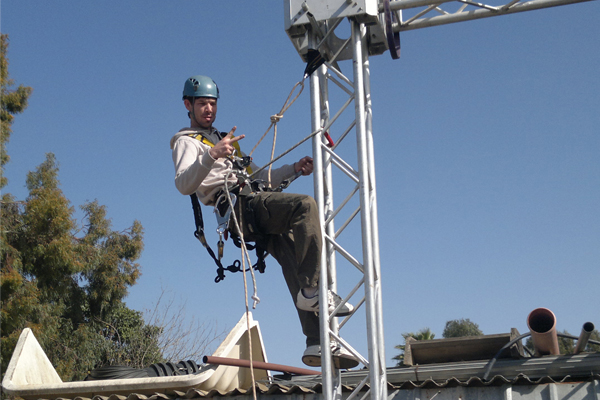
[(423, 334), (67, 282), (64, 281), (460, 328), (14, 101)]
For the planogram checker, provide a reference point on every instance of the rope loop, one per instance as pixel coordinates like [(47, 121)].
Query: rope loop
[(276, 118)]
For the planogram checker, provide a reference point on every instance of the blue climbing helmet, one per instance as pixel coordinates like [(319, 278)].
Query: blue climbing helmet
[(200, 86)]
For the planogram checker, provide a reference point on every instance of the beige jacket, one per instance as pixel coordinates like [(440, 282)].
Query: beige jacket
[(196, 171)]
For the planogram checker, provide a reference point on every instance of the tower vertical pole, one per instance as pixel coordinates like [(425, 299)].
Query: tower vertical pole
[(365, 194), (315, 108), (374, 226)]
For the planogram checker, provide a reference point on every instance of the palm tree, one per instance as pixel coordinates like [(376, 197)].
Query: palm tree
[(423, 334)]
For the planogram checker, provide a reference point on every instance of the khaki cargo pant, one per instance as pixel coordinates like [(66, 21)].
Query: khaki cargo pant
[(289, 229)]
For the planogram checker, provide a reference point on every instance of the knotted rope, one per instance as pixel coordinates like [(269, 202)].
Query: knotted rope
[(275, 119)]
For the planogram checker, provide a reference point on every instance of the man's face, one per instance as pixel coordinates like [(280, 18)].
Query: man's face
[(204, 111)]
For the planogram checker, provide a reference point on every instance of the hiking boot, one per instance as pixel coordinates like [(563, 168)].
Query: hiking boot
[(312, 303), (342, 358)]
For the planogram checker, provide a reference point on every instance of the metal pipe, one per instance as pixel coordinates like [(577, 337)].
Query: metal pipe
[(584, 336), (234, 362), (542, 324)]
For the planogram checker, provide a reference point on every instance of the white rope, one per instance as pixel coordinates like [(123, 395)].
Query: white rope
[(275, 119), (255, 298), (286, 152)]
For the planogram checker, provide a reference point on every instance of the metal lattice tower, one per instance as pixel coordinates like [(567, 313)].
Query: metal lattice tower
[(375, 26)]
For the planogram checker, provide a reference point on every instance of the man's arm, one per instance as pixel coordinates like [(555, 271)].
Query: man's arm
[(194, 161), (278, 175), (192, 164)]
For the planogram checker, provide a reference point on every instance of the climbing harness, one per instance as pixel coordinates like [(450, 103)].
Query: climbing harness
[(239, 162), (222, 230), (224, 205)]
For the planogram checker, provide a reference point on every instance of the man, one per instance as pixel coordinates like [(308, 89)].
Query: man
[(286, 225)]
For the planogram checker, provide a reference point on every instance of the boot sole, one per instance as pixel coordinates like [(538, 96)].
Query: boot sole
[(340, 362), (339, 314), (312, 361)]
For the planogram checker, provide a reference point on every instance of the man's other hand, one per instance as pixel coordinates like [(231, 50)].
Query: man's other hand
[(305, 165)]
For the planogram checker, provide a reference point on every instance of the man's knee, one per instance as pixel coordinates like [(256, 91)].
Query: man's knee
[(308, 205)]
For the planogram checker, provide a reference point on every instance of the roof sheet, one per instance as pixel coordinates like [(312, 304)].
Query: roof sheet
[(530, 372), (275, 388), (582, 368)]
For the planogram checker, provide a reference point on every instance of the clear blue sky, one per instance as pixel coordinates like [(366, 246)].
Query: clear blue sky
[(487, 140)]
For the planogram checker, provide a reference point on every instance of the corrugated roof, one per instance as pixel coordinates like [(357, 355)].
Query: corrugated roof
[(540, 371), (278, 388), (548, 369), (524, 372)]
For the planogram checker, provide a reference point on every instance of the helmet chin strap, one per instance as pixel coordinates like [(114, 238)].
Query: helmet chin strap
[(193, 114)]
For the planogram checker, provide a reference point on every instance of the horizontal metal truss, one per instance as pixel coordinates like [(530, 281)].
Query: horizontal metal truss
[(442, 12)]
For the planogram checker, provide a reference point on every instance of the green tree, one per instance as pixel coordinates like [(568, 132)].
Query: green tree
[(423, 334), (461, 327), (13, 102), (66, 282)]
